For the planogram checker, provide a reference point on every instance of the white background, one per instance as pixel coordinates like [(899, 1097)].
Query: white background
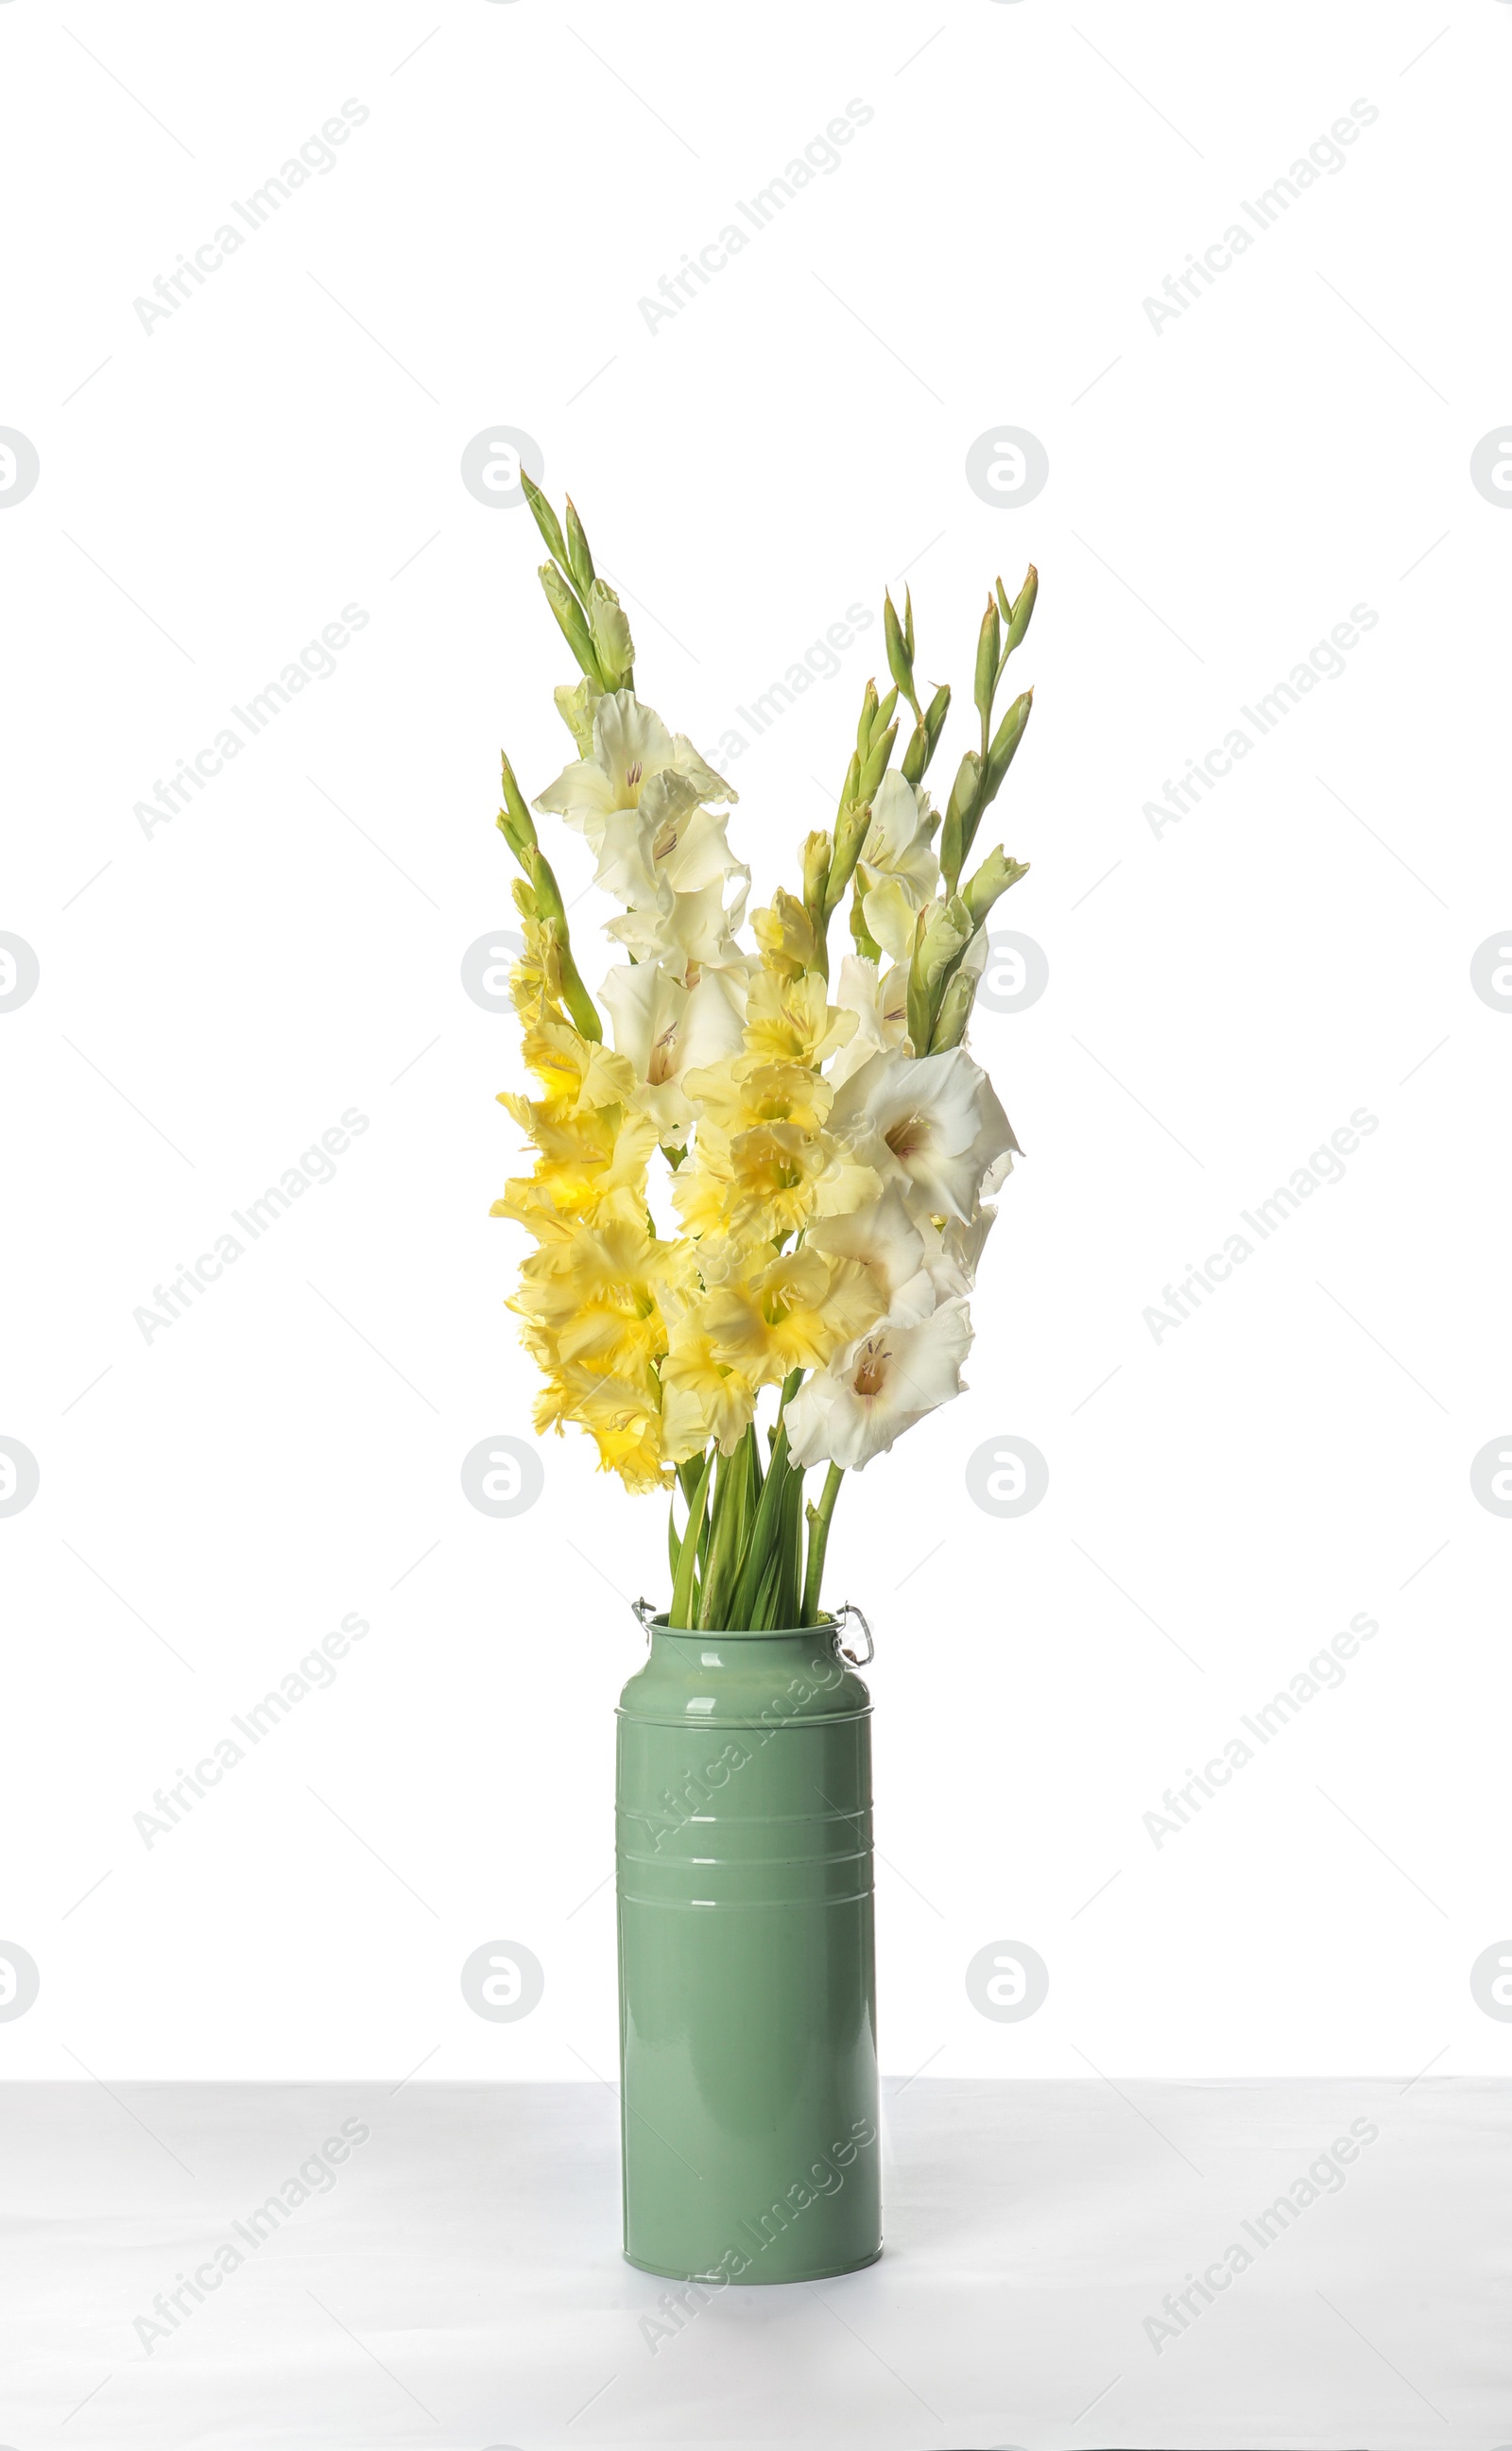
[(1222, 996)]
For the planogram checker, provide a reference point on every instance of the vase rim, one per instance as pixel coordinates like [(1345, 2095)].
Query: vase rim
[(826, 1627)]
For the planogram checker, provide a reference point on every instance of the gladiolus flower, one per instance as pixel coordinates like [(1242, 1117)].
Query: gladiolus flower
[(878, 1387)]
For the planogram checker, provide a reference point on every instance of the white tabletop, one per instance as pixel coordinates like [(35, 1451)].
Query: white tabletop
[(455, 2279)]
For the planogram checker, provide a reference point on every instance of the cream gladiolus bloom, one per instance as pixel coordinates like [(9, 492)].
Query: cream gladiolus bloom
[(932, 1124), (953, 1252), (690, 934), (883, 1238), (666, 1030), (639, 802), (878, 1387), (881, 1007), (897, 872), (635, 761)]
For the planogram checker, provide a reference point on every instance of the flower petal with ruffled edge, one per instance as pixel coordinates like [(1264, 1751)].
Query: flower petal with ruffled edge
[(878, 1387), (666, 1030), (932, 1122)]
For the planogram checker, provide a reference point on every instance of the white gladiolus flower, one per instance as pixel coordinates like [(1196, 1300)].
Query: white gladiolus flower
[(690, 934), (933, 1124), (885, 1242), (638, 801), (953, 1253), (642, 850), (897, 872), (881, 1007), (897, 840), (666, 1030), (878, 1387), (636, 761)]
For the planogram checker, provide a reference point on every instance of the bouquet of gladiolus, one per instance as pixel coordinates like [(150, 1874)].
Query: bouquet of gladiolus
[(829, 1144)]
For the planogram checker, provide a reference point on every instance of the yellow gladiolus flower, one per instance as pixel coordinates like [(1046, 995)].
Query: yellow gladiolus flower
[(594, 1298), (743, 1093), (575, 1071), (620, 1416), (790, 1021), (791, 1314), (785, 931), (755, 1185), (703, 1398), (536, 979)]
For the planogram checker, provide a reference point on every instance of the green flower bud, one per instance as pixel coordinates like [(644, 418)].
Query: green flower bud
[(569, 618), (1005, 740), (866, 944), (868, 715), (955, 840), (815, 858), (924, 738), (989, 640), (1023, 607), (613, 643), (545, 519), (877, 759), (901, 652), (997, 873), (944, 932), (849, 787), (959, 997), (852, 827), (516, 823), (579, 560)]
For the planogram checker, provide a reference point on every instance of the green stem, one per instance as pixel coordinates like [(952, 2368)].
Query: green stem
[(724, 1526), (786, 1602), (819, 1522), (675, 1546), (681, 1611), (760, 1553)]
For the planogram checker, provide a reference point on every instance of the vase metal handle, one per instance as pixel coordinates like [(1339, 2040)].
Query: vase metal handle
[(846, 1611), (642, 1611)]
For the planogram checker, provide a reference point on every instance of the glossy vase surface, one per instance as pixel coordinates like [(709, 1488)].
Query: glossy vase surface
[(747, 1988)]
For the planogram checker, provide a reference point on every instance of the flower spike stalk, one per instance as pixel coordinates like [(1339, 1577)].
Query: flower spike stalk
[(832, 1148)]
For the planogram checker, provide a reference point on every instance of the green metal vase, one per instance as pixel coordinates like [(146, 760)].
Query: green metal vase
[(747, 1966)]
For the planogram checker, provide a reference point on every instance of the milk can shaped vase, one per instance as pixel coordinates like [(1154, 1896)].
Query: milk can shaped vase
[(748, 1985)]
